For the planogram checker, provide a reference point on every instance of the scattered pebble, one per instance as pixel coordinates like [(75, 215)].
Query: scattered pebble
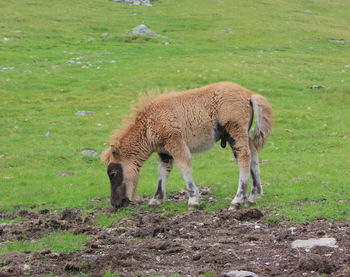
[(94, 200), (48, 134), (134, 2), (264, 161), (89, 153), (91, 39), (342, 41), (65, 174), (104, 35), (7, 68), (330, 242), (292, 230), (83, 113)]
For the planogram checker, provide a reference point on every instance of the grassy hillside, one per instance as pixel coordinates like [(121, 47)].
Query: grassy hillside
[(58, 57)]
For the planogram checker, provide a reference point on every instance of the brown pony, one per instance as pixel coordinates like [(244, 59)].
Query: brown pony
[(177, 124)]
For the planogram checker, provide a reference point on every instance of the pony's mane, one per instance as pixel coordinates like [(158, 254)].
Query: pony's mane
[(136, 108)]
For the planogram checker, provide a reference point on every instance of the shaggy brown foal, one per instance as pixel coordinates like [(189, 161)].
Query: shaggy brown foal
[(177, 124)]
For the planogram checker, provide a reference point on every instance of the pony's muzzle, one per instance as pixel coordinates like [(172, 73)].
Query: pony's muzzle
[(120, 203)]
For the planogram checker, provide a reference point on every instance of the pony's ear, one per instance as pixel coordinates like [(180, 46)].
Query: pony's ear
[(114, 150)]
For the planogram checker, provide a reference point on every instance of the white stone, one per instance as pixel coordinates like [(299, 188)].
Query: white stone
[(83, 113), (240, 273), (330, 242), (89, 153)]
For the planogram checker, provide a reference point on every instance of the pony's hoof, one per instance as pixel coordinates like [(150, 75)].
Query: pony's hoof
[(154, 202), (249, 203), (193, 207), (253, 198), (234, 207)]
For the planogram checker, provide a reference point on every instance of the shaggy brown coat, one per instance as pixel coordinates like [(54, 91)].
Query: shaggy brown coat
[(178, 124)]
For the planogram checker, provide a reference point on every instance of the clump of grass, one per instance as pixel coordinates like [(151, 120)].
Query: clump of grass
[(8, 220), (109, 220), (58, 242), (111, 274), (273, 220)]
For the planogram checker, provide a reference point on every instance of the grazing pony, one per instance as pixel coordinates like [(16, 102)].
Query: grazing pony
[(177, 124)]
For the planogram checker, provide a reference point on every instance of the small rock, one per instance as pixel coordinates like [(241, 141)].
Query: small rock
[(104, 35), (316, 87), (308, 11), (330, 242), (347, 66), (53, 255), (144, 30), (6, 39), (342, 41), (264, 161), (65, 174), (240, 273), (89, 153), (204, 190), (292, 230), (48, 134), (134, 2), (83, 113), (91, 39), (8, 68), (95, 200)]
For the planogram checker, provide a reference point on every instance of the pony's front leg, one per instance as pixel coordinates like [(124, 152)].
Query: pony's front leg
[(193, 192), (256, 191), (179, 150), (166, 163)]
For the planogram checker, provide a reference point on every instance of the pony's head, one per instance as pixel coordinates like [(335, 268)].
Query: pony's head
[(123, 176)]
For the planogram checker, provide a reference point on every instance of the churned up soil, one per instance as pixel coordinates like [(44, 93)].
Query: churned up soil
[(190, 244)]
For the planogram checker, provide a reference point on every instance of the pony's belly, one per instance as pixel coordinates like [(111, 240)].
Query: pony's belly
[(201, 142)]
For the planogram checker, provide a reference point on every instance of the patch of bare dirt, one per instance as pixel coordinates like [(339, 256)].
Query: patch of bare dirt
[(185, 244)]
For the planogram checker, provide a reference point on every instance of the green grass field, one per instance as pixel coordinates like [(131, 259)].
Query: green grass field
[(50, 67)]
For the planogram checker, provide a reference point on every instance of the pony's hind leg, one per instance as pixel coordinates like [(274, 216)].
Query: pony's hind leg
[(256, 191), (240, 148), (179, 150), (166, 163)]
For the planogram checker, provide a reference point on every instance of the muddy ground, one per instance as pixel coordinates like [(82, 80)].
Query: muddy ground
[(188, 244)]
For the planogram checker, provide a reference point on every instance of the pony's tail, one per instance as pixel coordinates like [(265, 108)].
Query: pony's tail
[(264, 120)]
